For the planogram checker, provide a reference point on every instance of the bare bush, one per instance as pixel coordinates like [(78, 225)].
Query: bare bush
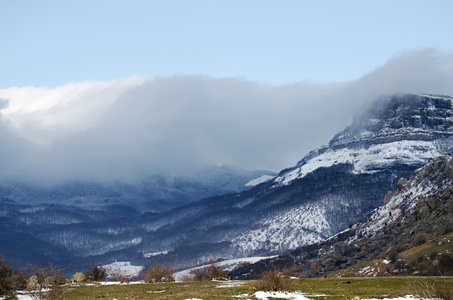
[(97, 273), (272, 281), (117, 274), (48, 283), (212, 272), (197, 275), (215, 271), (160, 272), (10, 280)]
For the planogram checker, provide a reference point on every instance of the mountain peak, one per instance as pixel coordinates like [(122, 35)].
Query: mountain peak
[(406, 129), (403, 116)]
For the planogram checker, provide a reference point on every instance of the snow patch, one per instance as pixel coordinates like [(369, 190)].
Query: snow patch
[(124, 267), (291, 229), (227, 265), (367, 160), (281, 295), (259, 180), (148, 255)]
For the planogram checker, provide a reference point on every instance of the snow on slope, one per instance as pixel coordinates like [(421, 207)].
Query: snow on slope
[(226, 264), (366, 160), (406, 199), (299, 226), (259, 180)]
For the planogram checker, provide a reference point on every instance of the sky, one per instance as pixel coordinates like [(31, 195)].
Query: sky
[(117, 90)]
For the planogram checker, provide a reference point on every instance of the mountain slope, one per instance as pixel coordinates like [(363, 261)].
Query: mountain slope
[(420, 208), (330, 189)]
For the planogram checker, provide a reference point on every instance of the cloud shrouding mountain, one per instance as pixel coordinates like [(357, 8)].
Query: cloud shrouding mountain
[(127, 128)]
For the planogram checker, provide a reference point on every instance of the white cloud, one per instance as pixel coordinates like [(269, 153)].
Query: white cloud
[(127, 128)]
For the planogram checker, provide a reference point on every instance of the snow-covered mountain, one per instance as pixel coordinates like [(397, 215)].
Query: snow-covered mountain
[(328, 190), (419, 207), (396, 135)]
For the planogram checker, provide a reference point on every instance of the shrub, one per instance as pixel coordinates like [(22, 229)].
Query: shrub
[(215, 271), (10, 280), (445, 264), (48, 282), (432, 290), (273, 281), (159, 272), (212, 272), (402, 247), (117, 274), (420, 239), (197, 274), (97, 273), (392, 255)]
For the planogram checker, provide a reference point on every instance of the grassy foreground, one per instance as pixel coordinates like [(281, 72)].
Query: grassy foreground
[(326, 288)]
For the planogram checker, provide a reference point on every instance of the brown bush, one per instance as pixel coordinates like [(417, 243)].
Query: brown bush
[(392, 255), (212, 272), (420, 239), (402, 247), (160, 272), (273, 281)]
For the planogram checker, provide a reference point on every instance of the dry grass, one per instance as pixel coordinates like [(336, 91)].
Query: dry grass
[(431, 289), (325, 288)]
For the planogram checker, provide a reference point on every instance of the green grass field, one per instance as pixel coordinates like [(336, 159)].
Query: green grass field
[(325, 288)]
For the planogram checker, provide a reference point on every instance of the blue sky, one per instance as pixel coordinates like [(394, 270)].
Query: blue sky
[(117, 90), (50, 43)]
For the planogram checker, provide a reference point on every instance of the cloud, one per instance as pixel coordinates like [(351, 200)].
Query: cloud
[(128, 128)]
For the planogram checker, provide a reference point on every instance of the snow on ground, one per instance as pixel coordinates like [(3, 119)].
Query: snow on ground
[(124, 267), (259, 180), (274, 295), (408, 297), (229, 284), (227, 264)]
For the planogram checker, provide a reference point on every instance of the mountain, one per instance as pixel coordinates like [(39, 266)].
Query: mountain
[(28, 212), (155, 193), (330, 189), (415, 220)]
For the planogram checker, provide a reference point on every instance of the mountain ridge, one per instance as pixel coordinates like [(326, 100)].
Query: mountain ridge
[(330, 189)]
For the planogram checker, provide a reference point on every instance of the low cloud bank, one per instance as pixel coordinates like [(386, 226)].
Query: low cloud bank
[(128, 128)]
